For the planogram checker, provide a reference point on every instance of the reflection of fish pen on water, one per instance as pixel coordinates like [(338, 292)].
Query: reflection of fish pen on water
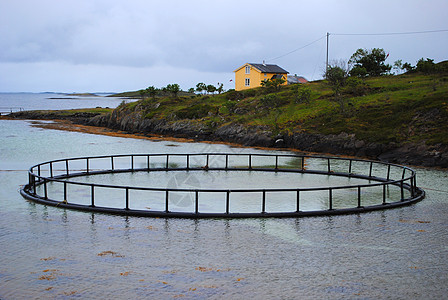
[(222, 185)]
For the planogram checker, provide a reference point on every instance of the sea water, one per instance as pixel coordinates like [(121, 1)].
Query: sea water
[(44, 101), (47, 252)]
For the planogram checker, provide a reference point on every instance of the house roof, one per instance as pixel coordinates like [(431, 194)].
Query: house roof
[(277, 76), (296, 79), (265, 68)]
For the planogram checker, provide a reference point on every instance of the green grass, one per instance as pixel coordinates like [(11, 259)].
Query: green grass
[(77, 112), (398, 109), (98, 110), (138, 95)]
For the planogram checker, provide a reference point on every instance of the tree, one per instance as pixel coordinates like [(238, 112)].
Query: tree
[(272, 84), (337, 78), (408, 67), (211, 89), (370, 60), (191, 90), (201, 87), (357, 71), (173, 89), (426, 66), (152, 91), (398, 66), (220, 88)]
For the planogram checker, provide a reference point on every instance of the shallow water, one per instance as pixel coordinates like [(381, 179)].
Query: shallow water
[(54, 253), (217, 182), (35, 101)]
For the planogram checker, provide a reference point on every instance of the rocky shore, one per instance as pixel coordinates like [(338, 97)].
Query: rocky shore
[(258, 136)]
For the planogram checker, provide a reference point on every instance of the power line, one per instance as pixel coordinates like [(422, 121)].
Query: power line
[(300, 48), (356, 34), (359, 34), (394, 33), (383, 34)]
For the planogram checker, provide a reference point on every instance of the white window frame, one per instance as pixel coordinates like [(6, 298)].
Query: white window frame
[(247, 82), (247, 69)]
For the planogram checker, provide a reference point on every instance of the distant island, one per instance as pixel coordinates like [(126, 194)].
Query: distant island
[(74, 96), (83, 94)]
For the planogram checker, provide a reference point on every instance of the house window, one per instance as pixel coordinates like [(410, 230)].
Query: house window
[(247, 69), (247, 82)]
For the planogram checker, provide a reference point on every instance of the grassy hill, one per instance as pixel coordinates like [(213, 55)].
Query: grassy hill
[(402, 119), (138, 95), (388, 109)]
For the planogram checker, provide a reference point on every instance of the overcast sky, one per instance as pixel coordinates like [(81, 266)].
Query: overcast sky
[(122, 45)]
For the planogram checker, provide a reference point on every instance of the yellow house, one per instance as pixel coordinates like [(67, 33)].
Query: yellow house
[(250, 75)]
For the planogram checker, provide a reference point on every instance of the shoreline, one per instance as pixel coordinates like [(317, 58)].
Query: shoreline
[(237, 135), (68, 125)]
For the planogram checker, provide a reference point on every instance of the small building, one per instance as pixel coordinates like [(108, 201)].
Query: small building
[(250, 75), (292, 79)]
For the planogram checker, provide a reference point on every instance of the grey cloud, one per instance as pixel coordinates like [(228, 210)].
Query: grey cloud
[(211, 36)]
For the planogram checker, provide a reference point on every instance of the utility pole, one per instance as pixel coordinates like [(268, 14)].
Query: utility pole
[(326, 63)]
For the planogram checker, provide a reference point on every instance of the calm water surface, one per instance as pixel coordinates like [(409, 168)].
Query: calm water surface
[(34, 101), (52, 253)]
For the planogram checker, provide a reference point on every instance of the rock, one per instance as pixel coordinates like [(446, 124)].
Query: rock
[(359, 144), (341, 144), (279, 143)]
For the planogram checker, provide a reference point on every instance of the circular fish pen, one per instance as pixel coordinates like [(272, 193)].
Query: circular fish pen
[(224, 185)]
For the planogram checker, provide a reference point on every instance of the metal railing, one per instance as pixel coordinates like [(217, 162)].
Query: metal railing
[(378, 174), (9, 110)]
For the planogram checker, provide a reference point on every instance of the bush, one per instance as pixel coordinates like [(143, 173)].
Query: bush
[(426, 66), (356, 86), (234, 95), (303, 94), (272, 85), (249, 93), (122, 104), (358, 72), (194, 112), (270, 101), (230, 105)]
